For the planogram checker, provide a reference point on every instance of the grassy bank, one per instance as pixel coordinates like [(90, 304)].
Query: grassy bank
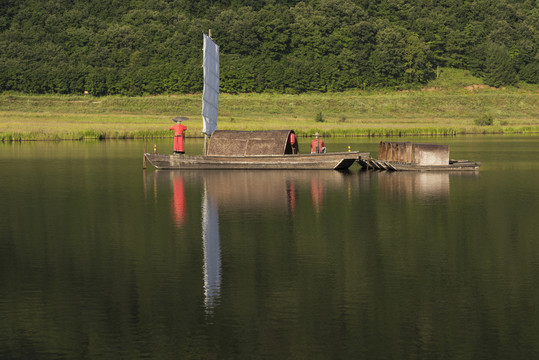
[(433, 110)]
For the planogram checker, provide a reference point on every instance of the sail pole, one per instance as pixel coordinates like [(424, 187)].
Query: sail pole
[(210, 94)]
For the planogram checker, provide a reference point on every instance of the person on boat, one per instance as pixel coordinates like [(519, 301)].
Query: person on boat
[(178, 128), (317, 145), (293, 143)]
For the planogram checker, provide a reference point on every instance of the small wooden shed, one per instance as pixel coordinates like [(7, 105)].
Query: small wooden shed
[(249, 143), (414, 153)]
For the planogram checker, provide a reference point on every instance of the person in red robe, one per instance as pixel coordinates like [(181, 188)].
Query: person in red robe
[(178, 128), (317, 145), (293, 144)]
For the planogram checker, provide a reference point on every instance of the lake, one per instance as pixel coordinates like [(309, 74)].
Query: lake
[(102, 260)]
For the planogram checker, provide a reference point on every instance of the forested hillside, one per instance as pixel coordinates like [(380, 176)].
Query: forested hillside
[(135, 47)]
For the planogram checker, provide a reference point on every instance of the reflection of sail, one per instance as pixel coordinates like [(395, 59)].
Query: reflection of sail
[(212, 252)]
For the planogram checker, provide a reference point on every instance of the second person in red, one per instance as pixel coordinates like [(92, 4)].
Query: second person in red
[(317, 145)]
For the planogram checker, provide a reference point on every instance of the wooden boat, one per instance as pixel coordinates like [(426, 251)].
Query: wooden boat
[(226, 149), (407, 156), (329, 161), (258, 150)]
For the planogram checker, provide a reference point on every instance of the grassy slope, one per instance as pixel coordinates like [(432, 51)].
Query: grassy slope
[(447, 105)]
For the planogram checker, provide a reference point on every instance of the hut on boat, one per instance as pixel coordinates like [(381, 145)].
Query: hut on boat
[(245, 143)]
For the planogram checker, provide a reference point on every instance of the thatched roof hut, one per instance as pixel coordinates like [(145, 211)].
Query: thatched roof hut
[(242, 143)]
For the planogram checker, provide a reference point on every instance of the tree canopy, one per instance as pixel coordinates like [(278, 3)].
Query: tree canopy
[(136, 47)]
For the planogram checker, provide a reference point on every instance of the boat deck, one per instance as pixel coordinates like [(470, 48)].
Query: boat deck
[(329, 161)]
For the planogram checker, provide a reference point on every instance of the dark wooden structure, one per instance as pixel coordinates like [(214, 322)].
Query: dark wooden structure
[(407, 156), (247, 143), (414, 153)]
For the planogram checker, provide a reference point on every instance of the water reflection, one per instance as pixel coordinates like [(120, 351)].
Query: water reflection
[(178, 207), (236, 190), (422, 185), (104, 272), (267, 190), (317, 194), (212, 252), (209, 224), (291, 192)]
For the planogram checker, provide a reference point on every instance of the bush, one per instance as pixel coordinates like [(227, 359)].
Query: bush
[(319, 117), (485, 120)]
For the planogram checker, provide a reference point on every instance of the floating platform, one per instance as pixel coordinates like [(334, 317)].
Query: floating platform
[(407, 156), (455, 165)]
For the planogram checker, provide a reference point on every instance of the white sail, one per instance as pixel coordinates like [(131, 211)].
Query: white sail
[(210, 95)]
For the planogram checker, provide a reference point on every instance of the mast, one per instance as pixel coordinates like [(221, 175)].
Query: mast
[(210, 95)]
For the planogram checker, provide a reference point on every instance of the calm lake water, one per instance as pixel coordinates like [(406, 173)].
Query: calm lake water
[(102, 260)]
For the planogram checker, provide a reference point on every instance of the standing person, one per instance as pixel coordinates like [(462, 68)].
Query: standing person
[(317, 145), (293, 143), (178, 128)]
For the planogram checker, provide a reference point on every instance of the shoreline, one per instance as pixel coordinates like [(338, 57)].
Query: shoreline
[(449, 112), (371, 133)]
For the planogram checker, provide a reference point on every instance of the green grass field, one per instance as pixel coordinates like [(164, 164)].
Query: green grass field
[(456, 106)]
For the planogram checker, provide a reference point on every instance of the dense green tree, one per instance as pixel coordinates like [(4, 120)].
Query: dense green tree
[(530, 72), (400, 57), (154, 46), (499, 69)]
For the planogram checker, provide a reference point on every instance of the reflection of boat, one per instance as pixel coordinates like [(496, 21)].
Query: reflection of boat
[(245, 149), (412, 184), (248, 190), (418, 184), (406, 156), (235, 191)]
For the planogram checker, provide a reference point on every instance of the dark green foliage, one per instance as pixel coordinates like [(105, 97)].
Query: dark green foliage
[(530, 72), (288, 46), (499, 68)]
